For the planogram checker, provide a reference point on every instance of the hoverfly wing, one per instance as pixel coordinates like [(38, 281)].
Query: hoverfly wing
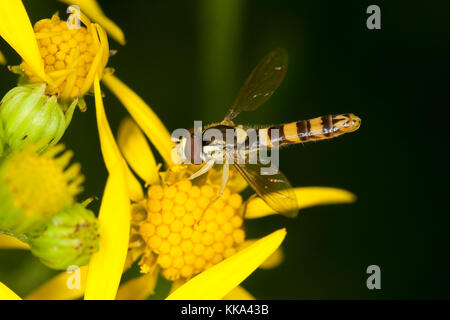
[(274, 189), (261, 84)]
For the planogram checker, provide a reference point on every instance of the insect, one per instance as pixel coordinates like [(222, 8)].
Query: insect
[(274, 188)]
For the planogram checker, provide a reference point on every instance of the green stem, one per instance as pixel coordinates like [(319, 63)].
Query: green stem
[(220, 31)]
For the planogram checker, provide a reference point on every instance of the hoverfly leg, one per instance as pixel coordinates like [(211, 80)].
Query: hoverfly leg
[(209, 164), (225, 176)]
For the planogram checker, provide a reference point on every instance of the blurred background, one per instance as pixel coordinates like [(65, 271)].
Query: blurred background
[(187, 59)]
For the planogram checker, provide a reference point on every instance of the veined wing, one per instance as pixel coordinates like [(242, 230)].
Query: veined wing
[(274, 189), (261, 84)]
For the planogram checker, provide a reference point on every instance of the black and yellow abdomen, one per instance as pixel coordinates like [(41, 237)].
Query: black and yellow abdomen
[(319, 128)]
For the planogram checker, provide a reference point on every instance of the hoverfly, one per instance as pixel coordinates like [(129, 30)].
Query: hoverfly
[(274, 189)]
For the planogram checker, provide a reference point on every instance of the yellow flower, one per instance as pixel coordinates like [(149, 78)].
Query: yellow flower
[(34, 187), (62, 57), (176, 229), (16, 29), (71, 57)]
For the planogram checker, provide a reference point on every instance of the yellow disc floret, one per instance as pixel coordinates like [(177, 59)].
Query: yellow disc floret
[(71, 57), (186, 232)]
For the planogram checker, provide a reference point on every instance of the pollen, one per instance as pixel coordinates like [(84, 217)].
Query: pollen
[(71, 57), (187, 231)]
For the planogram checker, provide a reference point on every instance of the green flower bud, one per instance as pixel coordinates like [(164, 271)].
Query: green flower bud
[(28, 115), (2, 139), (68, 238)]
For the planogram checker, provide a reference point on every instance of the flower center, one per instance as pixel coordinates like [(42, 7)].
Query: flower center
[(69, 56), (39, 184), (187, 233)]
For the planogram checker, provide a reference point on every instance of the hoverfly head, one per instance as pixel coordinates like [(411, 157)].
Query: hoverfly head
[(178, 151)]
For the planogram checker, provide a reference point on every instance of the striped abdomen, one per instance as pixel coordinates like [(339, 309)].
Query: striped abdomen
[(319, 128)]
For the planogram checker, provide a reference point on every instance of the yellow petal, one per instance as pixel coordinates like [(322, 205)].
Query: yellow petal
[(177, 284), (106, 266), (137, 152), (10, 242), (2, 58), (237, 183), (7, 294), (143, 115), (138, 288), (239, 293), (93, 11), (95, 66), (306, 197), (273, 261), (68, 285), (110, 150), (219, 280), (16, 29), (105, 48)]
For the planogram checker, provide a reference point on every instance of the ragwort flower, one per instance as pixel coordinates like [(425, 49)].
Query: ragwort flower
[(64, 59)]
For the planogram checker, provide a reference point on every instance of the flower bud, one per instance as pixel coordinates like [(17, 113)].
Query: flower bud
[(2, 139), (67, 238), (28, 115)]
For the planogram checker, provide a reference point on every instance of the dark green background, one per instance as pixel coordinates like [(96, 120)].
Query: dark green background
[(187, 59)]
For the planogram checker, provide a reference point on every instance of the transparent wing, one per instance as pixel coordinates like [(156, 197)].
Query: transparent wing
[(261, 84), (275, 189)]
